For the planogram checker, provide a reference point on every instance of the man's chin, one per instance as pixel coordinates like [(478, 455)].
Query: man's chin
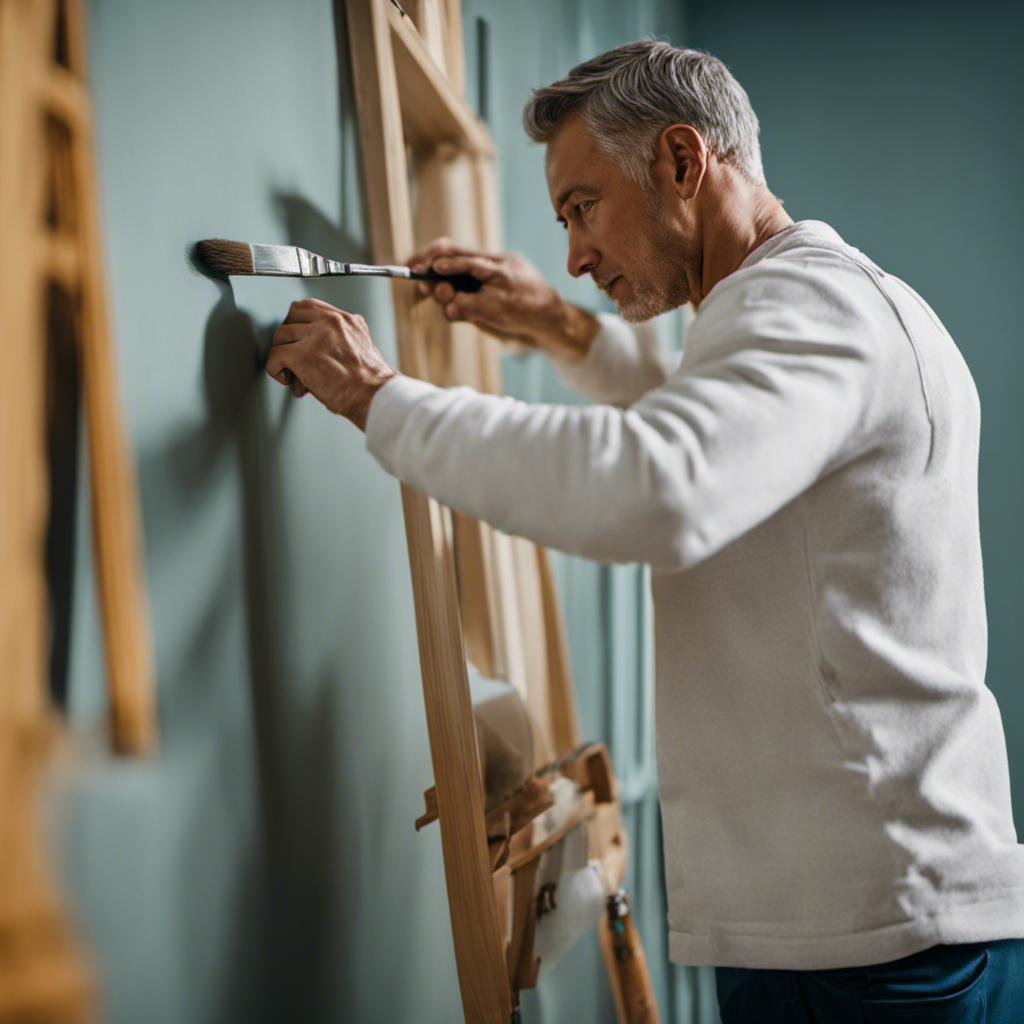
[(639, 310)]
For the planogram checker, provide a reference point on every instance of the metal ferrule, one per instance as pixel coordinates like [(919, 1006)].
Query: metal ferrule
[(291, 261), (317, 266)]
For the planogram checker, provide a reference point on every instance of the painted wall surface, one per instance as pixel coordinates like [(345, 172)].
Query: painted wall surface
[(265, 867), (893, 123)]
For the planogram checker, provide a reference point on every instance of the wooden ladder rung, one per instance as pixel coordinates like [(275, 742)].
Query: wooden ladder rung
[(430, 801), (65, 96), (431, 109), (62, 260)]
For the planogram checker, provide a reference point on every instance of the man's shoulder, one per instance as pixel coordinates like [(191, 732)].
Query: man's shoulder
[(803, 282), (807, 290), (801, 239), (797, 253)]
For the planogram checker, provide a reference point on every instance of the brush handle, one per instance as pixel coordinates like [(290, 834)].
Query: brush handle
[(460, 282)]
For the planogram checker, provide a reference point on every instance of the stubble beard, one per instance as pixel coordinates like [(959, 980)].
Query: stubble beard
[(660, 283)]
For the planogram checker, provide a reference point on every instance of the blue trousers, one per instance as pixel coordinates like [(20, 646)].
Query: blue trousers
[(979, 983)]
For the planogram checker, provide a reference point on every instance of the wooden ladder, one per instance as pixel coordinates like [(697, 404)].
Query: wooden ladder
[(52, 295), (477, 592)]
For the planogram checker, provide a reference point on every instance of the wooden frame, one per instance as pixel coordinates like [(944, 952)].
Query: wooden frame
[(477, 593), (51, 246)]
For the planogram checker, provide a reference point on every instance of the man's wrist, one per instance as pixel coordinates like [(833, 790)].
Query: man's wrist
[(570, 332), (359, 411)]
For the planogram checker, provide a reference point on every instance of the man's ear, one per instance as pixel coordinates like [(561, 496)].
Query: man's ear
[(682, 157)]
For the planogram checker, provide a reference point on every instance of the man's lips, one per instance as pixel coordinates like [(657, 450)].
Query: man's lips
[(606, 286)]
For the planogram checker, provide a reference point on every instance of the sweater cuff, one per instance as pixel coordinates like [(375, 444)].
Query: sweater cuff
[(388, 409), (588, 376)]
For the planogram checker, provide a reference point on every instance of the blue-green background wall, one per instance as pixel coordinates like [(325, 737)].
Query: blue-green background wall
[(265, 866)]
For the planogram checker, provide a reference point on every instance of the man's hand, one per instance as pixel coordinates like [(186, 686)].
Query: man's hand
[(514, 304), (329, 353)]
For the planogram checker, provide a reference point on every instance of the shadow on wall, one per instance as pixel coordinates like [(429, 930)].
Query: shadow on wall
[(291, 870), (186, 476), (290, 884)]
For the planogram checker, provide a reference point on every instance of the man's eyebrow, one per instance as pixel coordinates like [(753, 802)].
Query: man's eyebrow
[(575, 186)]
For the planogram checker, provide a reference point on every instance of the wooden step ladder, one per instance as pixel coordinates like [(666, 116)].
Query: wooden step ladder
[(52, 295), (477, 592)]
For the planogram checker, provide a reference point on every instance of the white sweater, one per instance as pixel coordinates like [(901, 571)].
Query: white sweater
[(832, 768)]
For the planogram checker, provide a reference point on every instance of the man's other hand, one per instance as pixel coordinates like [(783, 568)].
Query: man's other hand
[(514, 303), (328, 353)]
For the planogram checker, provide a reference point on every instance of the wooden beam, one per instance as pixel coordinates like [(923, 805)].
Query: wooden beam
[(565, 727), (456, 59), (42, 977), (60, 260), (432, 111), (404, 99), (476, 933), (117, 535), (428, 18), (446, 182), (65, 95)]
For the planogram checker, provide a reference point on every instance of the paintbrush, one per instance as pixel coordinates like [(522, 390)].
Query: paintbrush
[(225, 257)]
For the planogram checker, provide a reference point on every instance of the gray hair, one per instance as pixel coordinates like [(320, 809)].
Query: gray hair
[(630, 95)]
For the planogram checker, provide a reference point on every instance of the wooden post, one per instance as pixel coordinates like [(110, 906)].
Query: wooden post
[(505, 597), (51, 247), (41, 973), (477, 937), (115, 515)]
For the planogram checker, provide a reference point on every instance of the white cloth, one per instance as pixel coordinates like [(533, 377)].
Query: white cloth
[(504, 736), (832, 769)]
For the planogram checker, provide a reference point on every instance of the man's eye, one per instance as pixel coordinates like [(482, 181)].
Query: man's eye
[(585, 206)]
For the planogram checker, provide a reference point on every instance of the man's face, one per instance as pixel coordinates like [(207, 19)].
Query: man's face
[(618, 230)]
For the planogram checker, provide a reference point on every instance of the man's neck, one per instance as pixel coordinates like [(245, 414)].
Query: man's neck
[(750, 216)]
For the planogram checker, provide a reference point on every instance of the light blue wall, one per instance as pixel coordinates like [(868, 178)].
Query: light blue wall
[(265, 866), (267, 860)]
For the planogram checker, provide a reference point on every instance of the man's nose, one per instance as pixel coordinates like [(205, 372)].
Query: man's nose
[(583, 257)]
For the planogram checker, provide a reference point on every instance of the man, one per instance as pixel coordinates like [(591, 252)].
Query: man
[(832, 769)]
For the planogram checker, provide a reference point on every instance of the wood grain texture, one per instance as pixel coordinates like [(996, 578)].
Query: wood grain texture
[(430, 20), (533, 641), (504, 594), (565, 727), (432, 110), (23, 489), (476, 933), (485, 194), (42, 973), (522, 964), (453, 37), (446, 208), (627, 971), (504, 602), (117, 533)]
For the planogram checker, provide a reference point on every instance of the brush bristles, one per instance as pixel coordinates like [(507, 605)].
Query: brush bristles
[(223, 256)]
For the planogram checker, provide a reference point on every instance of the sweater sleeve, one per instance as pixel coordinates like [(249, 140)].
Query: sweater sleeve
[(623, 363), (775, 396)]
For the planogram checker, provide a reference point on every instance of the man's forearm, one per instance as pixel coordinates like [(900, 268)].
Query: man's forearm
[(514, 303)]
